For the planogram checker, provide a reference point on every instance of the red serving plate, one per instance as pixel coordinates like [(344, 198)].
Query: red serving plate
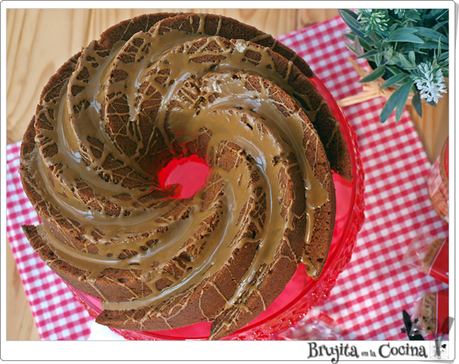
[(302, 292)]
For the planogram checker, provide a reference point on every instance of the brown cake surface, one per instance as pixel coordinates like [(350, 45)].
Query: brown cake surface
[(160, 86)]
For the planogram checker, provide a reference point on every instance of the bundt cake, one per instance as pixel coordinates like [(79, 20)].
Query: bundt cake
[(162, 86)]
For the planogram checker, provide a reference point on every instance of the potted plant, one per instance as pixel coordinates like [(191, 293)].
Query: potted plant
[(407, 48)]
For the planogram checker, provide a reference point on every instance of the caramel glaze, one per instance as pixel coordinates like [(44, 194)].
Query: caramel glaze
[(119, 116)]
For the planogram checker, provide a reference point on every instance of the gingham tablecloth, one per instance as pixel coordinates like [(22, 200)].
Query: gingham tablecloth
[(369, 296)]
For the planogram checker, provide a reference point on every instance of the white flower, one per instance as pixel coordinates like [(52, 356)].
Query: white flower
[(430, 81)]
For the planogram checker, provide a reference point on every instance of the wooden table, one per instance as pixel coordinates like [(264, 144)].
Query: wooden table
[(39, 41)]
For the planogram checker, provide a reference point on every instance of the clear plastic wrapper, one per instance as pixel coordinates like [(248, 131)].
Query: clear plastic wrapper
[(430, 255), (431, 314)]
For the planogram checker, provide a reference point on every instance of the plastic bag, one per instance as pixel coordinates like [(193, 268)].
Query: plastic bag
[(431, 314), (429, 255)]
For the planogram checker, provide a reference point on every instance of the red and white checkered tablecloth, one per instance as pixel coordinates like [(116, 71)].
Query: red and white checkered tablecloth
[(58, 315), (369, 296)]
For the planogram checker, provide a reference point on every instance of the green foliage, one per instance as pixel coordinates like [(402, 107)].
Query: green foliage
[(409, 49)]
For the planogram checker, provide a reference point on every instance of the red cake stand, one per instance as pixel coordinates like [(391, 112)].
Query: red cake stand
[(301, 293)]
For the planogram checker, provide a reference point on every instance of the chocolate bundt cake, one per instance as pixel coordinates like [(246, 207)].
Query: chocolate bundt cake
[(165, 85)]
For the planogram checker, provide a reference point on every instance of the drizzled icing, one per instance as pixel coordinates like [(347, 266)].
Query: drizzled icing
[(146, 100)]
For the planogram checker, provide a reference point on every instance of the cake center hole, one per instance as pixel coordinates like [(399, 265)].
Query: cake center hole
[(188, 174)]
